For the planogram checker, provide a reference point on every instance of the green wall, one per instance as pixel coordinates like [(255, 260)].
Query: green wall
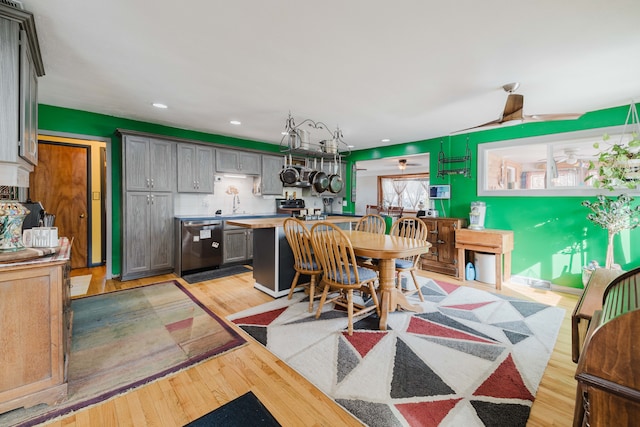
[(553, 238), (58, 119)]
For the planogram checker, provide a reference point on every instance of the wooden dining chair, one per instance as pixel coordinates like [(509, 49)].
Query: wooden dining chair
[(341, 273), (395, 211), (414, 228), (304, 260), (373, 209), (370, 223)]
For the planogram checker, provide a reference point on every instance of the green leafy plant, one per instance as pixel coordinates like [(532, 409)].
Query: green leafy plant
[(614, 214), (612, 166)]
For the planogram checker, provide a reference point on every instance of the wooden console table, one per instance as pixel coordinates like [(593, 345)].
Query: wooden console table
[(499, 242), (590, 301)]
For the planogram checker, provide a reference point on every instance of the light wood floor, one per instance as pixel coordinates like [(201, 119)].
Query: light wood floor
[(180, 398)]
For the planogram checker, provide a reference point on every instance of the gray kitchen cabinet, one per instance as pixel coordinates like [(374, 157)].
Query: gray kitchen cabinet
[(237, 161), (28, 103), (195, 168), (147, 234), (148, 164), (20, 66), (237, 245), (270, 179), (149, 176)]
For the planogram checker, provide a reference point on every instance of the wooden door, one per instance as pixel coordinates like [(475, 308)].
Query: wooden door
[(60, 182)]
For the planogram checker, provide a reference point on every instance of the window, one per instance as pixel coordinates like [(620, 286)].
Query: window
[(550, 165), (410, 191)]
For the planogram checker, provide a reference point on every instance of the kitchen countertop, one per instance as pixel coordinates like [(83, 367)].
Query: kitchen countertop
[(274, 222), (228, 216)]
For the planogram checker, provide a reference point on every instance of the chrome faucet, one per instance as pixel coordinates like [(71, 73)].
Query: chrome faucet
[(236, 202)]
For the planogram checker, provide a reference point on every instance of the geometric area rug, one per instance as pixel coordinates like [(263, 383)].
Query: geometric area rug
[(124, 339), (470, 358)]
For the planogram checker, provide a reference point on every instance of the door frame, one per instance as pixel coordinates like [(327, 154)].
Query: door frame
[(107, 238)]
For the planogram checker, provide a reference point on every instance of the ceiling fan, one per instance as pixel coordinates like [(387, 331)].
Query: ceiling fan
[(513, 111), (402, 164)]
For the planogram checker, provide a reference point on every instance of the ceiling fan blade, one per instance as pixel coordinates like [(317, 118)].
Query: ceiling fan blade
[(488, 124), (513, 108), (551, 117)]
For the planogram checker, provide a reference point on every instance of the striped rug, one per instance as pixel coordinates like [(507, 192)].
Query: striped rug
[(125, 339)]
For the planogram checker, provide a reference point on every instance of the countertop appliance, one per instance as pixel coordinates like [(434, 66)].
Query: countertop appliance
[(289, 206), (201, 246), (35, 218)]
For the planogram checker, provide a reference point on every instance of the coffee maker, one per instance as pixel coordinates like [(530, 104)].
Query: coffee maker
[(476, 216)]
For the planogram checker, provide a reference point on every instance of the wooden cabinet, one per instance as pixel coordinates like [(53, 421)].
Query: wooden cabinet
[(195, 168), (442, 256), (499, 242), (20, 66), (237, 161), (270, 180), (237, 245), (35, 332), (148, 164), (147, 247)]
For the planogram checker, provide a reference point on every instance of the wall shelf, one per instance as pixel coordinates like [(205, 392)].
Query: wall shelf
[(460, 165)]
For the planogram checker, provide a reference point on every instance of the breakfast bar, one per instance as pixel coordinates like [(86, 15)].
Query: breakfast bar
[(272, 257)]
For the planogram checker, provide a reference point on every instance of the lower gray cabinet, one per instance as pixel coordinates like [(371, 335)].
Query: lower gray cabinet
[(237, 246), (147, 234)]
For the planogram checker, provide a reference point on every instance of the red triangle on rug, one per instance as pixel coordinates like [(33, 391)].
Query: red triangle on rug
[(446, 286), (262, 319), (425, 327), (505, 382), (363, 342), (469, 307), (426, 414)]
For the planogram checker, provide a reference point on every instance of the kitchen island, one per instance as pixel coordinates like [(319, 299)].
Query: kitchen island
[(272, 257)]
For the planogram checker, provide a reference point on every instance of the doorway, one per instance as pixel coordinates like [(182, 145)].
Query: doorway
[(70, 180)]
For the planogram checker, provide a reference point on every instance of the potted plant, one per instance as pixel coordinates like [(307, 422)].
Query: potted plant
[(613, 214), (618, 165)]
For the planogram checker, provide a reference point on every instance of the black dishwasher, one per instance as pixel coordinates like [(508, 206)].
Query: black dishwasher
[(201, 247)]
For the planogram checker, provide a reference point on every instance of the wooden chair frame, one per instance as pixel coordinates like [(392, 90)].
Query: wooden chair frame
[(414, 228), (340, 271), (304, 260)]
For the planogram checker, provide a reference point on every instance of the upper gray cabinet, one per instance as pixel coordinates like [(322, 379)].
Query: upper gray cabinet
[(271, 183), (195, 168), (148, 164), (236, 161), (20, 67)]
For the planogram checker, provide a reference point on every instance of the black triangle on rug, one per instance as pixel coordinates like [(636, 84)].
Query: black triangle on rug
[(244, 411), (471, 357)]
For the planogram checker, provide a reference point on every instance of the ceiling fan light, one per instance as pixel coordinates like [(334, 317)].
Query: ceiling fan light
[(402, 164)]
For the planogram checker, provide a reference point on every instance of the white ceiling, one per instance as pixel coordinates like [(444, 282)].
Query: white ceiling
[(403, 70)]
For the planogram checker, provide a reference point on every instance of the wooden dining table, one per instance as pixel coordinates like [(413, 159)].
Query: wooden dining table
[(386, 249)]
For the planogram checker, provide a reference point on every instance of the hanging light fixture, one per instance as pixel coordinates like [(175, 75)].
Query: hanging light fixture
[(402, 164)]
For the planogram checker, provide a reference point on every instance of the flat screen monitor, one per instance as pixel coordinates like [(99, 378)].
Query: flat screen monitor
[(440, 191)]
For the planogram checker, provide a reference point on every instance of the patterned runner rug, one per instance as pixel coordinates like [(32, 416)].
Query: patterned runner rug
[(471, 358), (124, 339)]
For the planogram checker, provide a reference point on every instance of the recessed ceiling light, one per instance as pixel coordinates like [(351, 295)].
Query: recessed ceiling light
[(159, 105), (284, 133), (351, 146), (235, 122), (385, 140)]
